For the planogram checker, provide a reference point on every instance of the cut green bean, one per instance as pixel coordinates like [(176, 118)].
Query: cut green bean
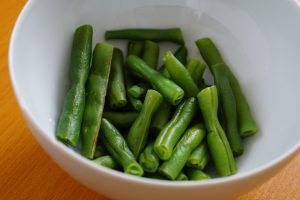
[(135, 48), (117, 91), (136, 91), (107, 161), (199, 157), (156, 35), (170, 91), (196, 69), (182, 177), (151, 53), (148, 159), (172, 167), (118, 148), (180, 74), (181, 54), (96, 88), (161, 117), (196, 174), (121, 120), (228, 107), (68, 129), (210, 53), (138, 133), (175, 128), (218, 144)]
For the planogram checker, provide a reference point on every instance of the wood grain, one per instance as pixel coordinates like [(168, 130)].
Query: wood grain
[(27, 172)]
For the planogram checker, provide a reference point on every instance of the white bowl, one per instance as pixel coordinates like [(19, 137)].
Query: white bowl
[(259, 40)]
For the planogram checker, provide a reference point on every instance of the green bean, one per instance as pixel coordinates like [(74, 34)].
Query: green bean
[(156, 35), (118, 148), (161, 117), (134, 48), (181, 54), (121, 120), (196, 69), (182, 177), (228, 107), (96, 88), (68, 129), (210, 53), (148, 159), (180, 74), (196, 174), (100, 150), (199, 157), (170, 91), (151, 53), (117, 91), (175, 128), (138, 133), (107, 161), (136, 91), (172, 167), (216, 139)]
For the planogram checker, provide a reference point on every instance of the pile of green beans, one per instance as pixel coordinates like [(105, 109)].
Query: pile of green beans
[(125, 113)]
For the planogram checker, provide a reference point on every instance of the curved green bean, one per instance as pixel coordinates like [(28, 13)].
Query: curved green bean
[(156, 35), (199, 157), (175, 128), (196, 174), (218, 144), (68, 129), (148, 159), (180, 74), (107, 161), (138, 133), (170, 91), (118, 148), (96, 88), (172, 167), (136, 91)]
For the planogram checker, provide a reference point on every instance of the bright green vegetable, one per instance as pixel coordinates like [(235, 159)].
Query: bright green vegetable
[(117, 91), (182, 177), (161, 117), (138, 133), (170, 91), (121, 120), (118, 148), (172, 167), (199, 157), (136, 91), (107, 161), (196, 174), (148, 159), (96, 88), (228, 107), (180, 74), (135, 48), (156, 35), (68, 129), (216, 139), (196, 69), (175, 128), (151, 53), (210, 53)]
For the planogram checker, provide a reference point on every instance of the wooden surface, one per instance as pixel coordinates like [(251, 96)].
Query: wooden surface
[(27, 172)]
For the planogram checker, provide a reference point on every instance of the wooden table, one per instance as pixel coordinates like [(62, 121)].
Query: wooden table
[(27, 172)]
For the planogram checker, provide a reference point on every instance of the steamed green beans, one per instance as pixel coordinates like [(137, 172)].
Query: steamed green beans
[(148, 159), (107, 161), (180, 74), (210, 53), (151, 53), (118, 148), (196, 174), (121, 120), (196, 69), (117, 91), (175, 128), (172, 167), (156, 35), (138, 133), (170, 91), (199, 157), (161, 117), (216, 139), (69, 125)]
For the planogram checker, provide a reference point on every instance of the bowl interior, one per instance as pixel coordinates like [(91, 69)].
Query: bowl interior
[(259, 43)]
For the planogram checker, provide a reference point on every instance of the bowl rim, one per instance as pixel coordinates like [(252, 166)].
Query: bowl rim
[(292, 151)]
